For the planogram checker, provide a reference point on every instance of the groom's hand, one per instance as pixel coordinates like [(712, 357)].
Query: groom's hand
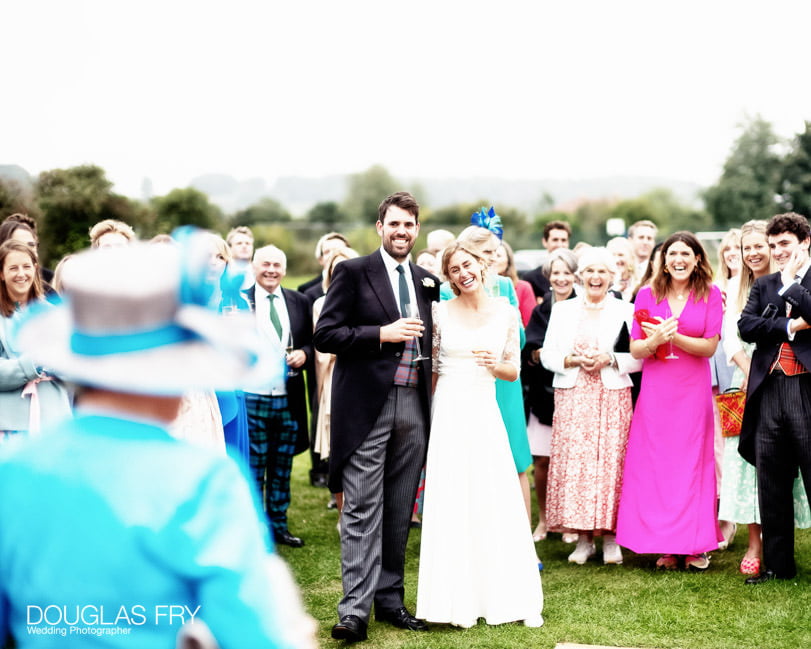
[(797, 324), (401, 330)]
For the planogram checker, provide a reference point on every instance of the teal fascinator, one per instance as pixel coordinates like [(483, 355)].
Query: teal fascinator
[(488, 220)]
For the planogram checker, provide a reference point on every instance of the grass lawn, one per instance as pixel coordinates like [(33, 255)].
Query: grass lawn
[(629, 605)]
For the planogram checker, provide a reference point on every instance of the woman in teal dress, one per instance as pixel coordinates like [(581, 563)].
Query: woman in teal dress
[(485, 242)]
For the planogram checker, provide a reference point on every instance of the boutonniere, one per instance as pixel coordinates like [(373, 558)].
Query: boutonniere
[(428, 282)]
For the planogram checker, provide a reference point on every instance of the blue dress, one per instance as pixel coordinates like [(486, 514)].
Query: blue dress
[(16, 371), (112, 521), (232, 403), (509, 394), (235, 425)]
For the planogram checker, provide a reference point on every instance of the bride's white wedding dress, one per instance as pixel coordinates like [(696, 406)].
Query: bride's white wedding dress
[(477, 557)]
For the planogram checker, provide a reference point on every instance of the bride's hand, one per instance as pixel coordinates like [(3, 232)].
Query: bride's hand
[(485, 358)]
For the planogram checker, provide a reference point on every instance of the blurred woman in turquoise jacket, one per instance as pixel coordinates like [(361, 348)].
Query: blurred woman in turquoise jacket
[(29, 395)]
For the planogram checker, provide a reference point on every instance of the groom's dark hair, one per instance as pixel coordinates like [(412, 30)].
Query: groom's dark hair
[(403, 200), (791, 222)]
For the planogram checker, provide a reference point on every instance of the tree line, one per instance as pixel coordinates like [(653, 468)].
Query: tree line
[(762, 175)]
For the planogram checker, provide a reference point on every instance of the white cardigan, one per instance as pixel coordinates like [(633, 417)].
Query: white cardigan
[(560, 336)]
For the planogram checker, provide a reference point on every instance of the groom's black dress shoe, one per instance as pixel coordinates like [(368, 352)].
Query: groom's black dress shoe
[(351, 628), (286, 538), (763, 577), (400, 617)]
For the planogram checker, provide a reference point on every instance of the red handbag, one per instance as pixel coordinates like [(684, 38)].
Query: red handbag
[(642, 315), (730, 406)]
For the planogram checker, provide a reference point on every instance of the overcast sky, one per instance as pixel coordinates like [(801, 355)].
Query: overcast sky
[(169, 89)]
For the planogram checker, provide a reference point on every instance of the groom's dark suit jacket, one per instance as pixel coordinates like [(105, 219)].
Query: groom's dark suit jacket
[(764, 322), (300, 312), (359, 301)]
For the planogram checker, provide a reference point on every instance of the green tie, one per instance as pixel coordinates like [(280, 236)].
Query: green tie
[(404, 298), (274, 316)]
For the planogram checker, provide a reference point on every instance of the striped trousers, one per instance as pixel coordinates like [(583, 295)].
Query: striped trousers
[(380, 482), (782, 446)]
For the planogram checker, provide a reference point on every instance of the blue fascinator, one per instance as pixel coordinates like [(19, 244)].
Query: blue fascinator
[(198, 280), (488, 220)]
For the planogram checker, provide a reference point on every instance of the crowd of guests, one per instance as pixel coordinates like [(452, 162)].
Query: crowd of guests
[(447, 373)]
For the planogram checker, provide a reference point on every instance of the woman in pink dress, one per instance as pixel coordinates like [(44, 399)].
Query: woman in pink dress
[(668, 502)]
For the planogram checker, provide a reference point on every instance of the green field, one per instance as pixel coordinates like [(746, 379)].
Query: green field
[(629, 605)]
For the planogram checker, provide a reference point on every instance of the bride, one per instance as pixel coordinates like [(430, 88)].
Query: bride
[(477, 558)]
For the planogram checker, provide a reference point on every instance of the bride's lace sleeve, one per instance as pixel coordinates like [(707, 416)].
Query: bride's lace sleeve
[(512, 348), (436, 336)]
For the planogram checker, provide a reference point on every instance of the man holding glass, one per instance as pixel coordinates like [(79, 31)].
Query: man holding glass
[(380, 413), (277, 413)]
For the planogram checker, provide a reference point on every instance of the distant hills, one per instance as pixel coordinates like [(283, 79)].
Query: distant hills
[(18, 174), (299, 193)]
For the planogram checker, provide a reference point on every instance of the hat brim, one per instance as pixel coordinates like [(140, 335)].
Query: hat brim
[(223, 359)]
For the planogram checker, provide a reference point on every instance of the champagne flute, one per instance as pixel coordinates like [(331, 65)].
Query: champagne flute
[(670, 354), (492, 287), (413, 312), (291, 371), (588, 349)]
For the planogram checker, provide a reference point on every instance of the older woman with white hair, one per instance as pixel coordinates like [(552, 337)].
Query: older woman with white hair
[(586, 346)]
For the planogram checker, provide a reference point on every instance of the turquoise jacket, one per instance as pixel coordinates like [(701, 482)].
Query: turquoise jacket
[(125, 533), (15, 372)]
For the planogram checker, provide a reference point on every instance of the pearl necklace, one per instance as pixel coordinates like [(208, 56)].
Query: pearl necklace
[(594, 306)]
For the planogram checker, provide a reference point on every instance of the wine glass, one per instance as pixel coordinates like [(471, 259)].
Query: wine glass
[(413, 312), (288, 349), (587, 347), (492, 287), (670, 353)]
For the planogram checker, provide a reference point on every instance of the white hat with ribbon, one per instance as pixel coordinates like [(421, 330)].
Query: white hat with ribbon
[(137, 320)]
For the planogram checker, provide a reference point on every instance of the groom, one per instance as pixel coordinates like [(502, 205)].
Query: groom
[(380, 413)]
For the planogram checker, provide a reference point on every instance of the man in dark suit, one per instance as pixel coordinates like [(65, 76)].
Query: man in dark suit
[(556, 235), (325, 246), (776, 429), (380, 413), (277, 414)]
